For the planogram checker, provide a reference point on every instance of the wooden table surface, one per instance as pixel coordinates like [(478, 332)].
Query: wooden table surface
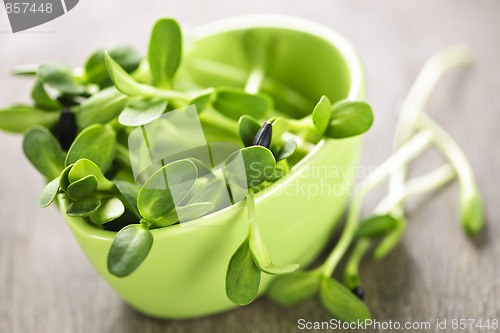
[(46, 284)]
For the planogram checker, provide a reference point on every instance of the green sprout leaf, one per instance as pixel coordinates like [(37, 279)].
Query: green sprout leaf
[(96, 143), (95, 66), (259, 165), (64, 178), (82, 189), (248, 128), (42, 99), (142, 112), (44, 152), (287, 150), (166, 188), (280, 126), (203, 169), (19, 118), (123, 81), (101, 107), (110, 210), (282, 169), (391, 240), (349, 118), (165, 51), (202, 100), (234, 103), (214, 192), (83, 168), (188, 213), (243, 276), (341, 302), (377, 226), (130, 192), (129, 249), (49, 193), (293, 288), (60, 77), (194, 211), (83, 208), (321, 114)]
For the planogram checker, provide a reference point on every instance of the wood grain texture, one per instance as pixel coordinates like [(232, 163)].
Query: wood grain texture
[(46, 284)]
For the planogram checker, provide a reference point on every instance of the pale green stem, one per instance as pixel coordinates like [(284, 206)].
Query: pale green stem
[(297, 125), (214, 119), (422, 184), (351, 272), (175, 98), (471, 206), (426, 80), (431, 181), (252, 213), (451, 150), (304, 128), (405, 154), (254, 81)]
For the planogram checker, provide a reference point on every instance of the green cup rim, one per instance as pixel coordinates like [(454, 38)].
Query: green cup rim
[(344, 47)]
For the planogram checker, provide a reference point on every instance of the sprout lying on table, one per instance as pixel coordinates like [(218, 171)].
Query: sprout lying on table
[(415, 133), (78, 131)]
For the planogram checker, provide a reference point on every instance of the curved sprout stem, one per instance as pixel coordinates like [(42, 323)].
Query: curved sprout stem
[(471, 206), (405, 154), (422, 184), (427, 79)]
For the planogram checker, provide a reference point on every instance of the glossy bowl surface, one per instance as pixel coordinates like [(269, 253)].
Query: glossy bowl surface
[(184, 274)]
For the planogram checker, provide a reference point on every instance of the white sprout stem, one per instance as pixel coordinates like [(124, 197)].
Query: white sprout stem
[(405, 154), (426, 80), (170, 95), (422, 184), (418, 185), (452, 152), (252, 214), (254, 81)]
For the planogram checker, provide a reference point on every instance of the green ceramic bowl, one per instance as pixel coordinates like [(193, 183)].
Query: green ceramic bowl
[(184, 274)]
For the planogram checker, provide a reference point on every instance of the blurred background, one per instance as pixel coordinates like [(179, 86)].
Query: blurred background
[(46, 284)]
